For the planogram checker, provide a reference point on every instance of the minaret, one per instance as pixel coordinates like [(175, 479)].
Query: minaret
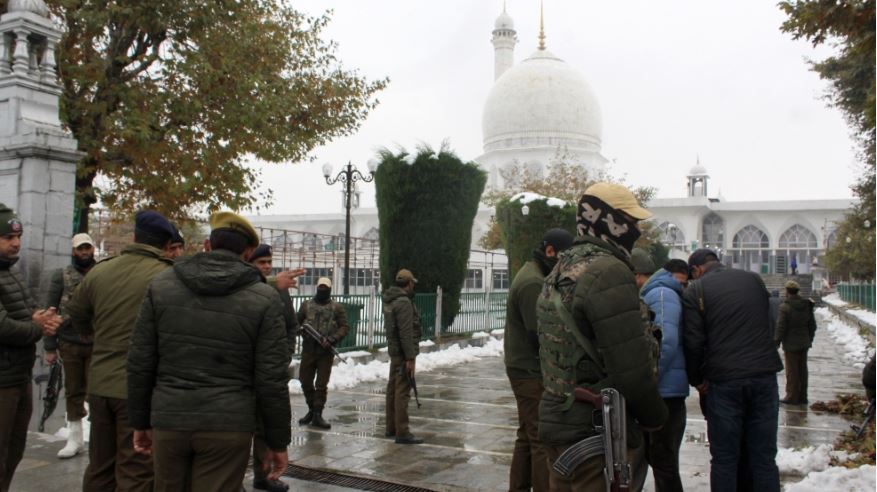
[(504, 39), (697, 180)]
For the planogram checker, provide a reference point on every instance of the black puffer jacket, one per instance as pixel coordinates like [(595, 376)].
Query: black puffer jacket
[(209, 349), (18, 334), (729, 336)]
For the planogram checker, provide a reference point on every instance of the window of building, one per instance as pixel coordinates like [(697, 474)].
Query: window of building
[(713, 231), (363, 277), (313, 274), (474, 279), (750, 237), (500, 280), (797, 237), (672, 236)]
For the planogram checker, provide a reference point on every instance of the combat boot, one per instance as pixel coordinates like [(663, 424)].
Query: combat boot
[(319, 422), (307, 418), (75, 443)]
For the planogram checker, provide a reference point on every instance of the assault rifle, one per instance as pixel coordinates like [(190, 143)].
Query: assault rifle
[(610, 421), (313, 333), (403, 373), (53, 391), (869, 416)]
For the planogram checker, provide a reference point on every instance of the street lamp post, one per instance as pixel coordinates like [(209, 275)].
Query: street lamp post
[(348, 175)]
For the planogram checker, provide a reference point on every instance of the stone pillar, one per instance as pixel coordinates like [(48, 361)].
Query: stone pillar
[(37, 156)]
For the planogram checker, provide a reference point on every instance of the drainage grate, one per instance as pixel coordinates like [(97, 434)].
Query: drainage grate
[(349, 481)]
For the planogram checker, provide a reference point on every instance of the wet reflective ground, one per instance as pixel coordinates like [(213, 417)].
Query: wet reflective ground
[(468, 420)]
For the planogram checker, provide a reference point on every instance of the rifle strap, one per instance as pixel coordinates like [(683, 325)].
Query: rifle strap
[(584, 342)]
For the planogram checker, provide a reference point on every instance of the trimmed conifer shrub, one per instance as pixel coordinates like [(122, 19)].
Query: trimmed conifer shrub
[(521, 234), (426, 207)]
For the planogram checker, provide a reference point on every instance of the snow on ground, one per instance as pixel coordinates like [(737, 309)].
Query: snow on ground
[(497, 332), (862, 314), (837, 479), (348, 374), (480, 334), (809, 459), (856, 348)]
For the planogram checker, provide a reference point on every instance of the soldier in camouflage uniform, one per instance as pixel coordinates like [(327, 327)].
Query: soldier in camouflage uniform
[(330, 320), (596, 286), (402, 327), (75, 346)]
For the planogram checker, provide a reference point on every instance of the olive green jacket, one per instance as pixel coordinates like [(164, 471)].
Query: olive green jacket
[(18, 334), (521, 338), (401, 324), (602, 296), (796, 325), (334, 330), (106, 304)]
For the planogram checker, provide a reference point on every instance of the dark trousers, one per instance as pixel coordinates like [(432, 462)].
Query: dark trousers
[(588, 476), (743, 412), (315, 365), (76, 359), (16, 405), (662, 447), (529, 462), (200, 461), (112, 462), (398, 395), (796, 376)]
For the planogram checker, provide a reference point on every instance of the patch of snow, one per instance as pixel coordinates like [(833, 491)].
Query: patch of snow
[(526, 197), (348, 374), (497, 332), (427, 343), (355, 353), (809, 459), (834, 300), (864, 315), (480, 334), (837, 479), (409, 159), (857, 350)]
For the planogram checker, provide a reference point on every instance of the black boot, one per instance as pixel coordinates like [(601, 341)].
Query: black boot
[(307, 418), (318, 421)]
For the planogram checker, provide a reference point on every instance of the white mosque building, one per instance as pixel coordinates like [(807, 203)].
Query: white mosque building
[(543, 108)]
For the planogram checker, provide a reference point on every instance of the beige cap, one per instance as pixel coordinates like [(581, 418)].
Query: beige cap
[(324, 281), (82, 238), (405, 274), (619, 198), (233, 221)]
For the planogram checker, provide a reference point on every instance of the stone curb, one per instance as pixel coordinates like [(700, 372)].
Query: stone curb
[(853, 320)]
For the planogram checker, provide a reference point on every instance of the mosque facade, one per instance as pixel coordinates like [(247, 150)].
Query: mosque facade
[(542, 109)]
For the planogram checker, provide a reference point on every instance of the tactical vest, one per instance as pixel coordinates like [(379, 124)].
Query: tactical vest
[(565, 352), (322, 317), (72, 278)]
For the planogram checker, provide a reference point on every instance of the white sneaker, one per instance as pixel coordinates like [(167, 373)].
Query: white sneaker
[(74, 440)]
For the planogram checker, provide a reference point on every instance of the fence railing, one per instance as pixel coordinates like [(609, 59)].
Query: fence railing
[(861, 293), (482, 311)]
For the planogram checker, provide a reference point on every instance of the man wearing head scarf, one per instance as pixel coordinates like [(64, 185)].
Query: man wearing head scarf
[(75, 347), (607, 346), (521, 341)]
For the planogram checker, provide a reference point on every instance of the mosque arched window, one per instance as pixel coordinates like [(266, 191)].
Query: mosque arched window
[(797, 237), (797, 249), (750, 237), (671, 235), (713, 231), (749, 250)]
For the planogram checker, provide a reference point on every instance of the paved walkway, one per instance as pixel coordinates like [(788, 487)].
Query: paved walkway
[(468, 420)]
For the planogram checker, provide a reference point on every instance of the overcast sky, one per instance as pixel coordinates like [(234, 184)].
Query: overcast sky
[(674, 79)]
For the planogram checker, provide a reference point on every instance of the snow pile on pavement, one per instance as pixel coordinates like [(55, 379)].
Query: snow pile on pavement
[(480, 334), (809, 459), (862, 314), (837, 479), (857, 351), (348, 374)]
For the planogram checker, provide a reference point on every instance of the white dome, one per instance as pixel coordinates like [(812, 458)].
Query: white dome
[(36, 6), (504, 21), (542, 101), (697, 170)]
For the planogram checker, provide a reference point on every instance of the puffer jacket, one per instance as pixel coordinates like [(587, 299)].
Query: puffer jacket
[(209, 350), (18, 334), (796, 325), (662, 294), (401, 324)]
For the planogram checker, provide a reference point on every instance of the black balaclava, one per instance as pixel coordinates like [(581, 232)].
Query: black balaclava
[(597, 219), (323, 294)]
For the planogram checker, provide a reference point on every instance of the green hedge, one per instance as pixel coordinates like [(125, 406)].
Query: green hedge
[(521, 234), (426, 210)]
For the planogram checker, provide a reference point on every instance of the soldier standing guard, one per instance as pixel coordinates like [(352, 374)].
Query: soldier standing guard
[(74, 346), (796, 327), (330, 321)]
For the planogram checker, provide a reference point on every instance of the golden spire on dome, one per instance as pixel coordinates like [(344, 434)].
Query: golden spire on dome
[(541, 27)]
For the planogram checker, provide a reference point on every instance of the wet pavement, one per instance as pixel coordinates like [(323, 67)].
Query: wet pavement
[(468, 421)]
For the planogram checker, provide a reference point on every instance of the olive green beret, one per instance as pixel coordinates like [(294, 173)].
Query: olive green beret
[(792, 285), (642, 262), (234, 222)]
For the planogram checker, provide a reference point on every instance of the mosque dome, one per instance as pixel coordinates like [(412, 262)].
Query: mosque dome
[(504, 21), (542, 101), (698, 170), (35, 6)]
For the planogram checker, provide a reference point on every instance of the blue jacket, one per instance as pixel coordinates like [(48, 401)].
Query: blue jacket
[(662, 294)]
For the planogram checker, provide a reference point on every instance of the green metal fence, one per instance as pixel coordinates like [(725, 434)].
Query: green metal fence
[(857, 293), (478, 312)]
